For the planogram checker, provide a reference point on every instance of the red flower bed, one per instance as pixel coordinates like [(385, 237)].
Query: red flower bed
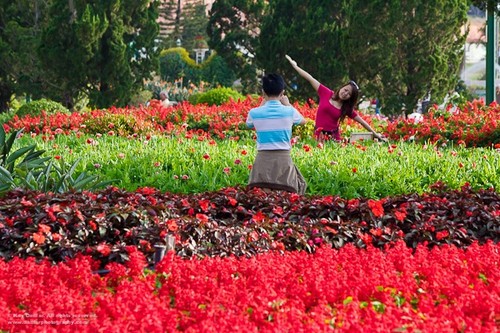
[(445, 289), (184, 119), (475, 124)]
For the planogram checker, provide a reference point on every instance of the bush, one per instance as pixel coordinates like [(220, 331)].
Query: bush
[(219, 96), (141, 97), (176, 63), (35, 108), (193, 99), (119, 123), (7, 116)]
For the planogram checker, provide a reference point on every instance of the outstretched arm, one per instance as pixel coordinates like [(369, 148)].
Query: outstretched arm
[(314, 83), (369, 128)]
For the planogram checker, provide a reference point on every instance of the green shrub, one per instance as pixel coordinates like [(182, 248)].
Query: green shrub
[(193, 99), (120, 124), (216, 71), (7, 116), (176, 63), (35, 108), (141, 97), (219, 96)]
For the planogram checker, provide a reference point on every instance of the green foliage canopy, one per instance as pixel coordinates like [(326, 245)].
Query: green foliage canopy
[(102, 49), (397, 50)]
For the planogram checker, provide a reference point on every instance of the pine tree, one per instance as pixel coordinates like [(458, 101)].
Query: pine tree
[(104, 49), (401, 50), (310, 32), (21, 22), (233, 29)]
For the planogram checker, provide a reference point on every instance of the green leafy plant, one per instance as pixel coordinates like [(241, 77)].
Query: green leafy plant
[(219, 96), (10, 164), (35, 108), (25, 167), (62, 178)]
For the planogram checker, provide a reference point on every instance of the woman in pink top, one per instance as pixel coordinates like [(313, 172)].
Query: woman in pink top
[(334, 107)]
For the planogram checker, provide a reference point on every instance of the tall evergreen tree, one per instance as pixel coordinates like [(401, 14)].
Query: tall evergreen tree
[(21, 23), (233, 29), (309, 31), (104, 49), (402, 50)]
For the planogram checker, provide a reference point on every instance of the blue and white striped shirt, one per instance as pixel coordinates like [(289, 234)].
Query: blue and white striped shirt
[(273, 123)]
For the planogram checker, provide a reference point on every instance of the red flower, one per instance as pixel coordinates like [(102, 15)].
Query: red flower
[(278, 246), (352, 204), (172, 225), (400, 215), (56, 237), (39, 238), (202, 217), (259, 217), (204, 205), (43, 228), (26, 203), (277, 210), (376, 207), (104, 249), (354, 170), (442, 234), (366, 238)]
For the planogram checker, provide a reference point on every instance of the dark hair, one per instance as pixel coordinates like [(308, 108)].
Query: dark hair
[(273, 84), (348, 105)]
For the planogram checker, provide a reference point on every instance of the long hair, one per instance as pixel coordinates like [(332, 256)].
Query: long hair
[(348, 105)]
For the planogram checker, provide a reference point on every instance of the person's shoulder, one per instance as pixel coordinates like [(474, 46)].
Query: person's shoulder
[(322, 89)]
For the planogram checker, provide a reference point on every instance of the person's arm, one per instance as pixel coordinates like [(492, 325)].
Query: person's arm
[(314, 83), (369, 128), (298, 119)]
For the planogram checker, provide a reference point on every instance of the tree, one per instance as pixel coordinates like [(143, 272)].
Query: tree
[(233, 29), (6, 59), (410, 49), (104, 49), (310, 31), (21, 22), (397, 50)]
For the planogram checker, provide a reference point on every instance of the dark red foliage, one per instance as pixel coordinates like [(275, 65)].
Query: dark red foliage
[(235, 221)]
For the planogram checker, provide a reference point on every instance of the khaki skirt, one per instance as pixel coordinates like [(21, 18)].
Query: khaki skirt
[(274, 169)]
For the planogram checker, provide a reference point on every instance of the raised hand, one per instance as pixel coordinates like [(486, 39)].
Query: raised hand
[(293, 62)]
